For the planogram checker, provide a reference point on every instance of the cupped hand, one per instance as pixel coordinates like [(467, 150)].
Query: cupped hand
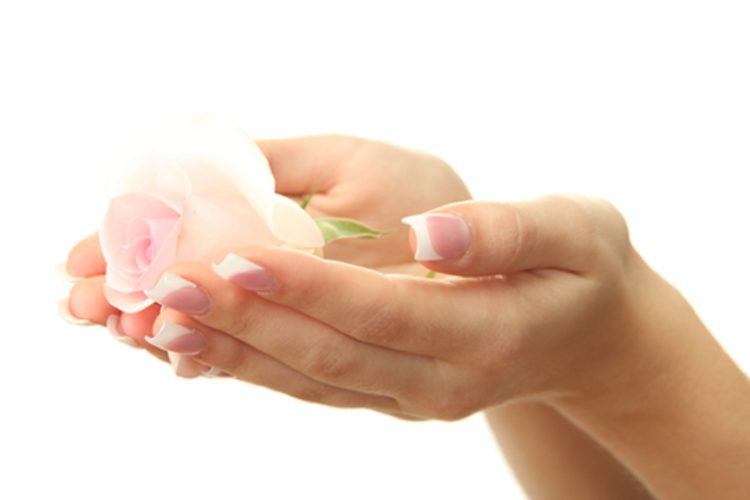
[(544, 311), (369, 181)]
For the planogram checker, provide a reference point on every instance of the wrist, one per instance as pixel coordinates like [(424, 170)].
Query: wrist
[(668, 399)]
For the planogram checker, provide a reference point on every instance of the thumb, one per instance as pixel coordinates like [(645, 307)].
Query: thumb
[(486, 238)]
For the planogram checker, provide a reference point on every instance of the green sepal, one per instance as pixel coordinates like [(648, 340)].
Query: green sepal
[(339, 229), (306, 200)]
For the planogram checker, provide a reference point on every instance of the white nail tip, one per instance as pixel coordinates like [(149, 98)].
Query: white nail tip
[(234, 264), (63, 309), (425, 251), (212, 373), (62, 272), (113, 326), (183, 365), (167, 284), (167, 333)]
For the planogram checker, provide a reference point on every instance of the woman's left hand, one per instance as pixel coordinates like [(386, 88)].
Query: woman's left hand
[(370, 181)]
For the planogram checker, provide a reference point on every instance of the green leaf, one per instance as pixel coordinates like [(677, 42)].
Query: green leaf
[(430, 275), (306, 200), (339, 229)]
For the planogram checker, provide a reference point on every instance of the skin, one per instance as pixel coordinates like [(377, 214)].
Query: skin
[(553, 324)]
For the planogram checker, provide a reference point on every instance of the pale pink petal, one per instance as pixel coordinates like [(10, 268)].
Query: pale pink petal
[(155, 166), (208, 156), (159, 230), (173, 182), (123, 271), (122, 209), (127, 302), (119, 280), (164, 255), (293, 225), (211, 227), (127, 258), (136, 228), (211, 156), (220, 144)]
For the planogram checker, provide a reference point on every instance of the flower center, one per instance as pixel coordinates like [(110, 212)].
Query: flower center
[(145, 236)]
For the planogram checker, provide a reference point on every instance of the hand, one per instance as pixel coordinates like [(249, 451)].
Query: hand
[(547, 318), (369, 181), (562, 311)]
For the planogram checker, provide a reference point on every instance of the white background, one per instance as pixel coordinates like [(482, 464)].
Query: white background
[(643, 102)]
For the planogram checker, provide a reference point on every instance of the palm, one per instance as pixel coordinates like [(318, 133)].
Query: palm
[(379, 184)]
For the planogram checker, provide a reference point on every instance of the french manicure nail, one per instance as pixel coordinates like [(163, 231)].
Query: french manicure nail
[(178, 293), (63, 309), (212, 372), (243, 273), (183, 366), (439, 236), (63, 274), (113, 326), (178, 339)]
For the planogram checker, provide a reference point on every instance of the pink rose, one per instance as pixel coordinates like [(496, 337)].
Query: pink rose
[(196, 192)]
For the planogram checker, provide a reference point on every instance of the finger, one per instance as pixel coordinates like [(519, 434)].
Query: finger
[(307, 164), (307, 345), (86, 259), (133, 328), (396, 312), (482, 239), (175, 330), (86, 301)]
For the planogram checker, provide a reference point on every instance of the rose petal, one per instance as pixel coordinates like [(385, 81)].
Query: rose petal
[(224, 146), (123, 273), (209, 156), (173, 182), (230, 223), (127, 257), (120, 280), (127, 302), (212, 157), (165, 254), (293, 225), (125, 208), (136, 228)]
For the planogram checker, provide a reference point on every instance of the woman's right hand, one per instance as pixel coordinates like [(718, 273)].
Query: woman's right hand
[(556, 306)]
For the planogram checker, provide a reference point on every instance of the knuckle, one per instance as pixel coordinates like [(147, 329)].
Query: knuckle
[(327, 363), (236, 314), (453, 406), (453, 400), (385, 325), (222, 355), (613, 228), (233, 299), (298, 285), (519, 234), (312, 393), (600, 228)]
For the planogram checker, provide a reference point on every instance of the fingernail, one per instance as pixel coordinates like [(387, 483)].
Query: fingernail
[(439, 236), (63, 274), (177, 339), (178, 293), (113, 326), (184, 366), (212, 372), (63, 308), (243, 273)]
